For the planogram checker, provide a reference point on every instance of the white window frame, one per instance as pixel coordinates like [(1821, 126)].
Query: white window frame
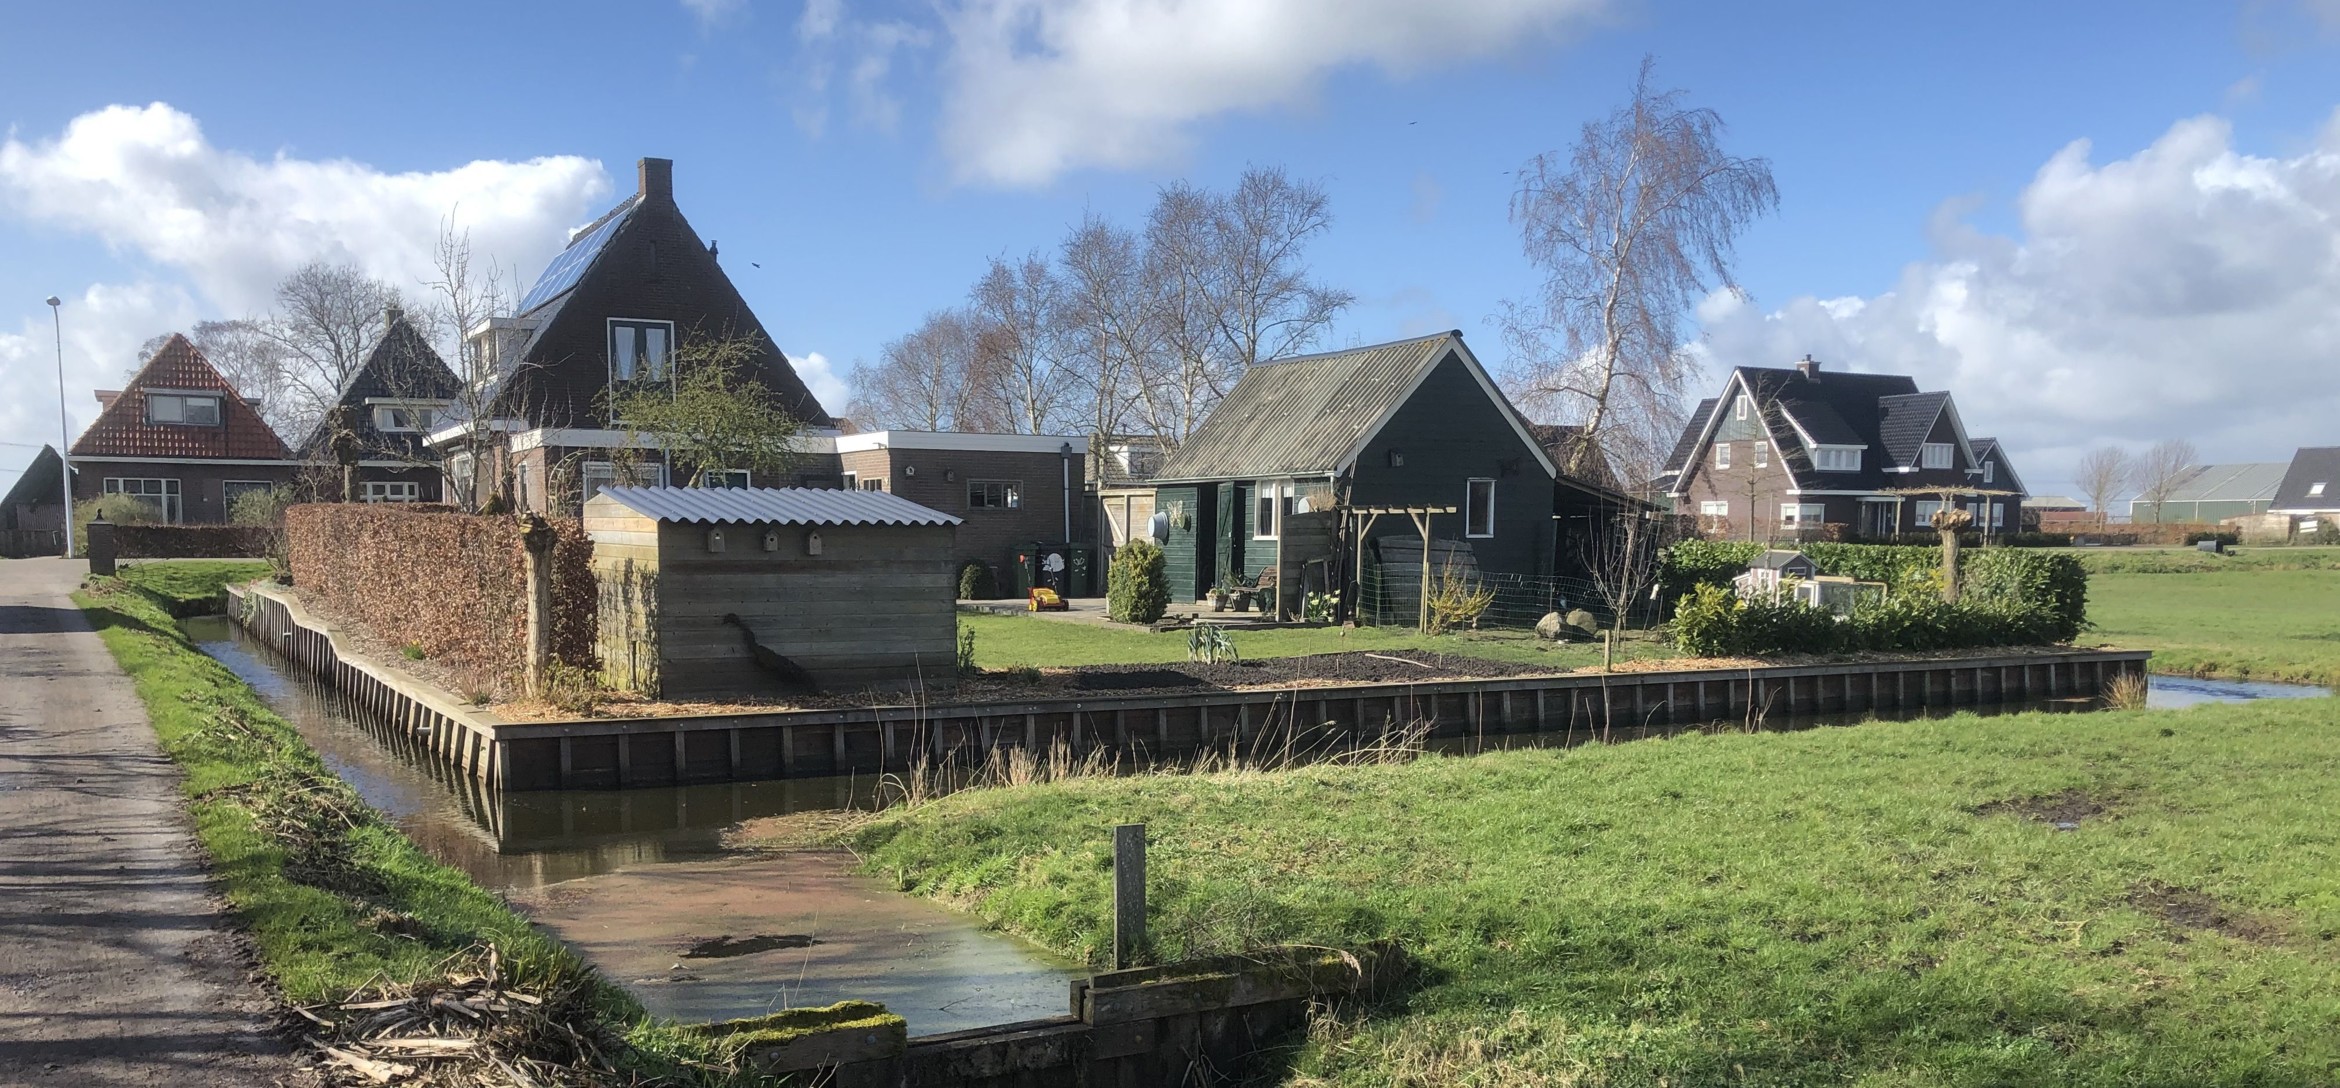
[(166, 489), (849, 481), (745, 478), (459, 480), (1802, 515), (1836, 458), (179, 403), (1762, 454), (1715, 508), (662, 372), (1267, 508), (421, 418), (1471, 497), (1011, 494), (1740, 406), (1922, 513), (1934, 455), (1722, 455), (592, 476), (1990, 471), (390, 491), (2316, 490)]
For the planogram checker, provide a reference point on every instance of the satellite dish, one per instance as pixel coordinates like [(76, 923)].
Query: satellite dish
[(1158, 527)]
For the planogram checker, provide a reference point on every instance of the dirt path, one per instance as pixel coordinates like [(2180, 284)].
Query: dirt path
[(118, 965)]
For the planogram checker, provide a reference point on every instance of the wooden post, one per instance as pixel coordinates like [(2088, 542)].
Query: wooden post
[(1422, 623), (1129, 894), (536, 539)]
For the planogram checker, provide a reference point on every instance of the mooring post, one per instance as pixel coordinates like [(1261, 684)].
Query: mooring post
[(1129, 894), (536, 540)]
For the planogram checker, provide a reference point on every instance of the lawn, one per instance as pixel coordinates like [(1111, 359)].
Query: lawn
[(1838, 906), (1014, 640), (2243, 624), (2192, 561), (192, 587)]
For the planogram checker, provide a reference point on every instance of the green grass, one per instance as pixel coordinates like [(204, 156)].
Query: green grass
[(1823, 907), (332, 895), (191, 588), (1013, 640), (2190, 561), (2251, 624)]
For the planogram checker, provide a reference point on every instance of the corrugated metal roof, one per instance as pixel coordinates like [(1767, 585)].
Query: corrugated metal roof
[(1302, 416), (2230, 483), (780, 505)]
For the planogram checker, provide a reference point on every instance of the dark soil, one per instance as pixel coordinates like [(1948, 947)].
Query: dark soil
[(727, 946), (2190, 909), (1354, 667), (2063, 810)]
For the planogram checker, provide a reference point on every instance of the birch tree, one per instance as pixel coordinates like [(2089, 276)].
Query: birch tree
[(920, 381), (2159, 471), (1018, 349), (1630, 228)]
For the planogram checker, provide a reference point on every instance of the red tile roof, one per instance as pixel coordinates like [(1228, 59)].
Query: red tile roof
[(121, 429)]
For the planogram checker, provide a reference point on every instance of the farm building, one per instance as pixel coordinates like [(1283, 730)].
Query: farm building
[(767, 590), (2213, 493)]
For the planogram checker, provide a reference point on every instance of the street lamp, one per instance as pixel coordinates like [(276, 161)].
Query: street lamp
[(64, 429)]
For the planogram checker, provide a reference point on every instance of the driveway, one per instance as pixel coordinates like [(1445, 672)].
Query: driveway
[(117, 966)]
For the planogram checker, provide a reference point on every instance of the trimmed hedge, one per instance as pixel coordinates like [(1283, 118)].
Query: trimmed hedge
[(452, 585), (1715, 622), (1138, 587), (2009, 596), (193, 541)]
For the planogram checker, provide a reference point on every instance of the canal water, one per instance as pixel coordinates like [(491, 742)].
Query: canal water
[(640, 883)]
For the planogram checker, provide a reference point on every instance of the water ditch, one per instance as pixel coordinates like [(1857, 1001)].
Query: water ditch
[(640, 882)]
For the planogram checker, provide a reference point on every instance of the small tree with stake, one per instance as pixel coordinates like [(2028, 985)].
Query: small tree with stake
[(711, 416)]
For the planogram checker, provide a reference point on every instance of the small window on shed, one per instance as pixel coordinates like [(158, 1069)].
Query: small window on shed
[(1479, 509)]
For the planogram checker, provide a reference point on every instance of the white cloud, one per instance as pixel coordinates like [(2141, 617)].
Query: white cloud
[(711, 12), (1038, 87), (104, 326), (2185, 291), (820, 19), (866, 51), (146, 181), (821, 376)]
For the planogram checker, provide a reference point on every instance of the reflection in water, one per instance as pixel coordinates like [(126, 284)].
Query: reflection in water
[(632, 879)]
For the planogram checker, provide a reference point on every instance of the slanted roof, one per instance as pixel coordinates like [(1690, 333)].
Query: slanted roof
[(403, 365), (2311, 466), (1780, 559), (121, 429), (774, 505), (37, 485), (1686, 446), (1904, 421), (1827, 408), (2256, 482), (2053, 502), (1312, 415), (1988, 448), (571, 263)]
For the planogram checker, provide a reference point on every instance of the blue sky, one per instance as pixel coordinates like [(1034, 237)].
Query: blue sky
[(2179, 274)]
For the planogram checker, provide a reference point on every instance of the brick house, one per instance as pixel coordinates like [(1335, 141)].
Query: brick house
[(1011, 491), (608, 313), (1799, 453), (32, 514), (389, 404), (181, 438)]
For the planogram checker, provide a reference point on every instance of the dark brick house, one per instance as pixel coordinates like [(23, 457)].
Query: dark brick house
[(182, 439), (389, 405), (32, 514), (610, 311), (1411, 423), (1803, 453), (1011, 491)]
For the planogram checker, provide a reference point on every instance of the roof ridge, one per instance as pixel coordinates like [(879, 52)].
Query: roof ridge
[(1282, 359)]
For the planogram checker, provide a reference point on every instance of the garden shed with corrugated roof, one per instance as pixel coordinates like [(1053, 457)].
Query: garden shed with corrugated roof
[(726, 591)]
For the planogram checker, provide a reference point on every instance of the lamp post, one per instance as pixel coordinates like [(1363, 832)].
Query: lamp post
[(64, 428)]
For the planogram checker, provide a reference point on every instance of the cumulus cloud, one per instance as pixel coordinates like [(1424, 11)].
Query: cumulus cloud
[(146, 181), (2187, 290), (1038, 87), (866, 51), (210, 231), (820, 376)]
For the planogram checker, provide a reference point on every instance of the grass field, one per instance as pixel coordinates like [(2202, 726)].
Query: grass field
[(191, 587), (1011, 640), (1839, 906), (2191, 561), (332, 895), (2242, 624)]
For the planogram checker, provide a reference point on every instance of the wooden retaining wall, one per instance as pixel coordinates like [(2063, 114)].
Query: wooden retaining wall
[(604, 753)]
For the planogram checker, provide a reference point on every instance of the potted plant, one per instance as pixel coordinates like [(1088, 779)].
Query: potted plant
[(1265, 591), (1221, 593)]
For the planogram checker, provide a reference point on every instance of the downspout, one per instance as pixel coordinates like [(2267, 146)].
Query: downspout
[(1065, 452)]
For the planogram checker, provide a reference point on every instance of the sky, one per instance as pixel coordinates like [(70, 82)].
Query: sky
[(2091, 222)]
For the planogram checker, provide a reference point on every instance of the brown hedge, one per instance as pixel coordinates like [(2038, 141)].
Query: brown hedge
[(453, 585), (192, 541)]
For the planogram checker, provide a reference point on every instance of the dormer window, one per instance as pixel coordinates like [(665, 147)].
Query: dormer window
[(189, 409), (1934, 455), (640, 351), (404, 417), (1837, 458)]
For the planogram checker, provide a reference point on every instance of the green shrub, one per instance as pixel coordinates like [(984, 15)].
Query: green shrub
[(2228, 538), (1138, 587), (976, 582), (2053, 584), (1713, 622)]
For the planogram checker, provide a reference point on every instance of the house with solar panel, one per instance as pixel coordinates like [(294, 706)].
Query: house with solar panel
[(180, 439), (1804, 453), (610, 312), (382, 413), (1288, 471)]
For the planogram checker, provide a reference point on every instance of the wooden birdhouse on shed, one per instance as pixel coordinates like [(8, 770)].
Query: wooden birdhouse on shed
[(710, 591)]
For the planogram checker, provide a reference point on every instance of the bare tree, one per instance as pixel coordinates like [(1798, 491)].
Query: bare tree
[(1631, 228), (2102, 474), (920, 380), (1267, 307), (328, 318), (1188, 369), (1018, 346), (1109, 324), (464, 300), (1621, 557), (2161, 469)]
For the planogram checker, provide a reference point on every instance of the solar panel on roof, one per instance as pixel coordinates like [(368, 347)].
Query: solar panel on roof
[(570, 264)]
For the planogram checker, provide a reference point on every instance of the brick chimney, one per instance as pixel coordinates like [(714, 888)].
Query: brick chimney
[(1809, 368), (657, 179), (391, 316)]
